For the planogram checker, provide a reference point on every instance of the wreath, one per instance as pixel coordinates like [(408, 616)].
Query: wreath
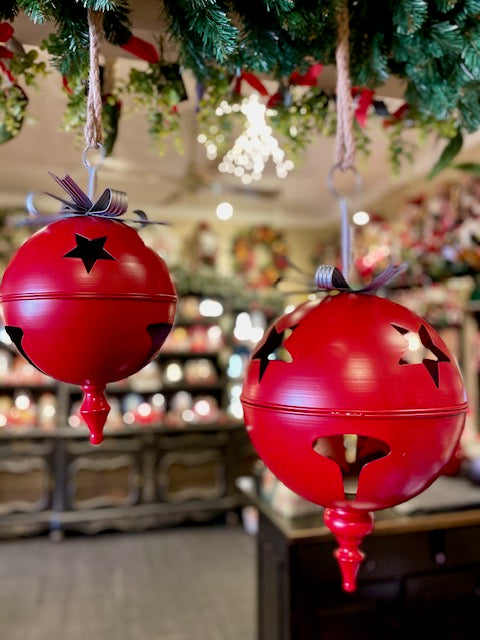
[(260, 256)]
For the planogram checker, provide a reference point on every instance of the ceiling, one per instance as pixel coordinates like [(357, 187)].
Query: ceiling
[(301, 200)]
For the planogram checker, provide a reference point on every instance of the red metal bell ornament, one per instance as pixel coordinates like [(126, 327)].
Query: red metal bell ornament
[(87, 302), (356, 404)]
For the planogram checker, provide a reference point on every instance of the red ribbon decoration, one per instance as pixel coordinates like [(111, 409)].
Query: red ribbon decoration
[(6, 32), (364, 101), (66, 86), (141, 49), (399, 114), (252, 80), (308, 79), (134, 45)]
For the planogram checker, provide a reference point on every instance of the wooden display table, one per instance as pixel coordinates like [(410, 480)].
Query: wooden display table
[(420, 579)]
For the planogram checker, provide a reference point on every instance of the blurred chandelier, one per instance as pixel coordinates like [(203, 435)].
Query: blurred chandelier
[(253, 148)]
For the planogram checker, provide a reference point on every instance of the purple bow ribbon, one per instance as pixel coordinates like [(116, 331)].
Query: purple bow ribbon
[(329, 278), (111, 204)]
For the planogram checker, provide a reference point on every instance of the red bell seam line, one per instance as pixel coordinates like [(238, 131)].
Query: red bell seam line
[(393, 413), (58, 295)]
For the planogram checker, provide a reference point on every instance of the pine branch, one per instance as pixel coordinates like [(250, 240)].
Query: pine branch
[(116, 23), (39, 11), (204, 31), (265, 44), (279, 6), (68, 46), (102, 5), (430, 44), (370, 47), (8, 10), (409, 16)]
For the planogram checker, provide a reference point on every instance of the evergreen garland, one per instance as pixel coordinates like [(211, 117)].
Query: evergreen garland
[(432, 45)]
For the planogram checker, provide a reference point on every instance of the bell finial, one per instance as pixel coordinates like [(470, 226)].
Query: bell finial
[(94, 410), (349, 527)]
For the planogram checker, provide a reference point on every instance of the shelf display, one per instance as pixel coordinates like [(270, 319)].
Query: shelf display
[(174, 438)]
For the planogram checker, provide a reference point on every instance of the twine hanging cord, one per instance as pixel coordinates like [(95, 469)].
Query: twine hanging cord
[(345, 141), (112, 203), (94, 125)]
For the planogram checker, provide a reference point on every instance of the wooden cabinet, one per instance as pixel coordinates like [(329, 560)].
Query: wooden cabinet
[(174, 441), (420, 579), (134, 480)]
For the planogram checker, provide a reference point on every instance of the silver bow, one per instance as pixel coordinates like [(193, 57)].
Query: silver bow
[(111, 204), (329, 278)]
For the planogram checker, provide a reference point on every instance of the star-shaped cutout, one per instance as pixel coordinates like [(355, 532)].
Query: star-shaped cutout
[(89, 251), (420, 345), (16, 336), (272, 348)]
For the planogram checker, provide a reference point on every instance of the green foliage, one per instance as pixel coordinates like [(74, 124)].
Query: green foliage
[(218, 129), (68, 44), (25, 68), (448, 154), (13, 104), (432, 45), (203, 30), (158, 90), (472, 168), (75, 115), (297, 119)]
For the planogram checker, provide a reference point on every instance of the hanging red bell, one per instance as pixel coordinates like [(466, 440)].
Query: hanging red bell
[(87, 302), (356, 404)]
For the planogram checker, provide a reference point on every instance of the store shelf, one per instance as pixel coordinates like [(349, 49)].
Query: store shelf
[(161, 468)]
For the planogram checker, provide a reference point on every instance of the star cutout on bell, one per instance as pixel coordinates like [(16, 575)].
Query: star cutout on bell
[(419, 346), (89, 251), (273, 348)]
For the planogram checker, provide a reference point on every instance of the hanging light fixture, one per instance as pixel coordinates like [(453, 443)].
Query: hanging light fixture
[(253, 148)]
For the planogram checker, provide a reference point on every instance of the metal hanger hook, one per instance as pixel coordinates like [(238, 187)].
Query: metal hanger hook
[(358, 181), (93, 167)]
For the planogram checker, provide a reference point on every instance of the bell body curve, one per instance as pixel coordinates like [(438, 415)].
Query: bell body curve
[(356, 404), (87, 302)]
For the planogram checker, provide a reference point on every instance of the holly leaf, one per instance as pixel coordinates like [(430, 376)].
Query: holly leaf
[(469, 167), (447, 155)]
